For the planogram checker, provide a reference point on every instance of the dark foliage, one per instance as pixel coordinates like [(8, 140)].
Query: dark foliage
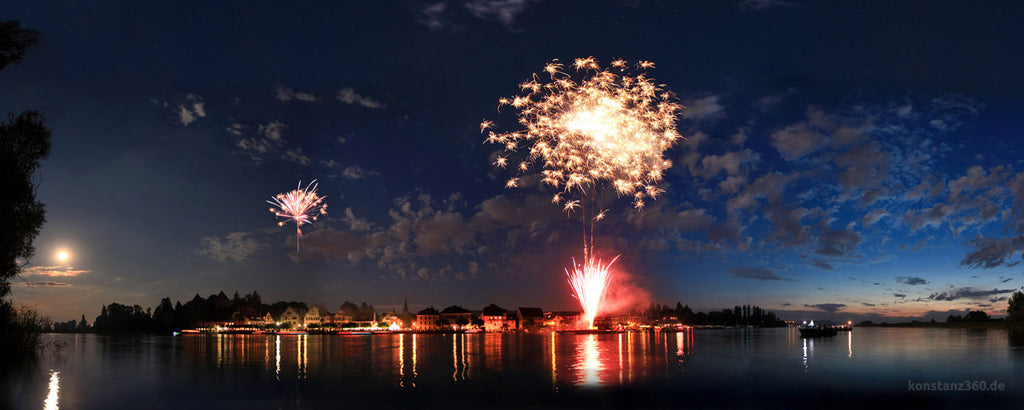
[(746, 315), (24, 142), (1015, 311), (972, 316), (13, 42)]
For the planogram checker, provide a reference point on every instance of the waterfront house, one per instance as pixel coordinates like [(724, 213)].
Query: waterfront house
[(316, 315), (293, 316), (342, 317), (267, 319), (496, 319), (457, 316), (530, 318), (562, 320), (390, 319), (427, 319)]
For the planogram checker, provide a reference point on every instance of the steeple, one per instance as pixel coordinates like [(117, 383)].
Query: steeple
[(405, 308)]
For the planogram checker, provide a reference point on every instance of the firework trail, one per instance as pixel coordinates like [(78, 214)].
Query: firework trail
[(588, 283), (301, 206), (601, 126)]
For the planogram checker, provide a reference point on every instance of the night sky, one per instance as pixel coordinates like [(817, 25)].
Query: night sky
[(843, 159)]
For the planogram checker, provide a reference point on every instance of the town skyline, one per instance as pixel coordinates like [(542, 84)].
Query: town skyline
[(783, 314)]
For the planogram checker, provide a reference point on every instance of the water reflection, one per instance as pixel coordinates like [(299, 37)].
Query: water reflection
[(805, 352), (460, 360), (165, 372), (52, 392), (620, 358), (849, 344), (300, 359), (629, 355), (277, 357), (406, 378), (684, 347), (401, 360), (589, 363), (554, 363), (493, 351)]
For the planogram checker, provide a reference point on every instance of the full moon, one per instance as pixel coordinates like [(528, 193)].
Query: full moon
[(62, 256)]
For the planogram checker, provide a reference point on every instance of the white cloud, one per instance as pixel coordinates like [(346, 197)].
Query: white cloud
[(798, 140), (761, 5), (53, 271), (274, 130), (235, 129), (432, 16), (874, 216), (43, 284), (269, 139), (703, 108), (191, 110), (236, 246), (354, 172), (288, 94), (505, 11), (349, 96), (296, 155), (769, 102)]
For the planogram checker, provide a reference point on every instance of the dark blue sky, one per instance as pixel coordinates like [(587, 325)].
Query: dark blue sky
[(860, 159)]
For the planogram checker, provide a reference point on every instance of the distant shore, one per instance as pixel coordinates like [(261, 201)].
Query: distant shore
[(987, 324)]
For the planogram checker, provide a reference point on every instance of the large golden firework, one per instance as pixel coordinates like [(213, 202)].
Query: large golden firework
[(599, 126)]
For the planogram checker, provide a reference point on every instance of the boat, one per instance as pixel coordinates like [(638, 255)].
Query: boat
[(813, 330), (291, 332)]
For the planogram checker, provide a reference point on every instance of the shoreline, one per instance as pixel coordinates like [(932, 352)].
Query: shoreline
[(990, 324)]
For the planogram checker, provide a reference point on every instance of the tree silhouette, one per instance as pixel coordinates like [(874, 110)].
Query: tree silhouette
[(13, 42), (1015, 311), (24, 141)]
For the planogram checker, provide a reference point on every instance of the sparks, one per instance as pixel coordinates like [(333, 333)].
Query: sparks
[(301, 206), (584, 131), (589, 282), (602, 128)]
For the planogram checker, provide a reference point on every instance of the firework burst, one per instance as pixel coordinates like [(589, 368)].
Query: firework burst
[(589, 282), (599, 126), (301, 206), (587, 128)]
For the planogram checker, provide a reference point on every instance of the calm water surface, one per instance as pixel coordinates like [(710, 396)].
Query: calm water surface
[(727, 368)]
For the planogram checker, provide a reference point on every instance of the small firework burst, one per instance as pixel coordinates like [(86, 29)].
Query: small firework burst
[(301, 206)]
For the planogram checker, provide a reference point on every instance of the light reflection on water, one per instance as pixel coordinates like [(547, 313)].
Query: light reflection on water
[(52, 395), (589, 363), (312, 366)]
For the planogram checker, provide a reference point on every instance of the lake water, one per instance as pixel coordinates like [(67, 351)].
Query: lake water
[(705, 368)]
